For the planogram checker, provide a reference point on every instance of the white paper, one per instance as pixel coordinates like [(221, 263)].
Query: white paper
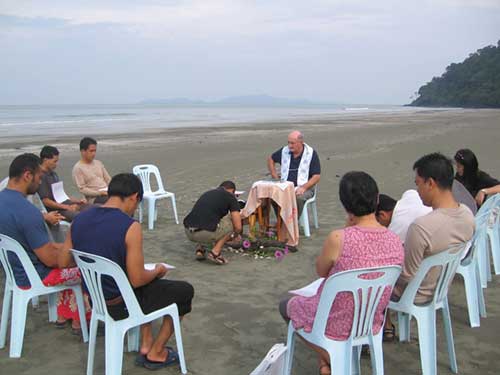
[(309, 290), (282, 185), (151, 266), (58, 192), (104, 189)]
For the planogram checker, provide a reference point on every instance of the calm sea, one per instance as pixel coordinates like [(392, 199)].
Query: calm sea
[(101, 119)]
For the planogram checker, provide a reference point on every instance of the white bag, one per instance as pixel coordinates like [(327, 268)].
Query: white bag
[(273, 363)]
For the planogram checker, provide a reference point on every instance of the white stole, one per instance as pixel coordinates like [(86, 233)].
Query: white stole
[(305, 162)]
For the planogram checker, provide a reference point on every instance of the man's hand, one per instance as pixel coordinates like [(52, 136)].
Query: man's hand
[(160, 270), (53, 217), (300, 190)]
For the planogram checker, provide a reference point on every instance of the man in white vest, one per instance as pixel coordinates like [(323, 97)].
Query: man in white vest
[(299, 164)]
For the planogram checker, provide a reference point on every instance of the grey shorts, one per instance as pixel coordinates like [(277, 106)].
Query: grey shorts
[(224, 228)]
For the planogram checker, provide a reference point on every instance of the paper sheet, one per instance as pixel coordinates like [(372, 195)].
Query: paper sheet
[(151, 266), (58, 192), (282, 185), (309, 290)]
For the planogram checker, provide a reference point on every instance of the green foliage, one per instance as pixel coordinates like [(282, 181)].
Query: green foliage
[(474, 83)]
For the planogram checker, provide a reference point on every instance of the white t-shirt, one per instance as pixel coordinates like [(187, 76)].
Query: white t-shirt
[(407, 209)]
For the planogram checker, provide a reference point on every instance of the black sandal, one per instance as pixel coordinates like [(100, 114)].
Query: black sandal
[(217, 259), (200, 253), (389, 334)]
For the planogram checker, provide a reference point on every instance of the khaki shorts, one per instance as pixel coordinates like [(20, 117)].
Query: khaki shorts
[(224, 228)]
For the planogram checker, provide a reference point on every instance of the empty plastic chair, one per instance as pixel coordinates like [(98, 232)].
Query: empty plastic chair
[(366, 294), (469, 269), (21, 297), (426, 314), (144, 172), (304, 217), (93, 267)]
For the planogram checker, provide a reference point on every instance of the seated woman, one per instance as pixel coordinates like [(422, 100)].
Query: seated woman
[(479, 184), (362, 243)]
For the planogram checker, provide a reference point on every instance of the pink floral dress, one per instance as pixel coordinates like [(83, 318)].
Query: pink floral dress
[(362, 247)]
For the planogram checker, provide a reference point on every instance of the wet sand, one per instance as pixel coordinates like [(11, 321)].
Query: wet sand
[(235, 318)]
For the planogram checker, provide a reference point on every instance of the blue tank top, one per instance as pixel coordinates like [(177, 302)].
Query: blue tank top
[(101, 231)]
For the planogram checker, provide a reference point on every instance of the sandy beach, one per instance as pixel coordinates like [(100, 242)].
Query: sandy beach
[(235, 319)]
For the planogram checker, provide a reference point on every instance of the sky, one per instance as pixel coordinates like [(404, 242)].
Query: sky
[(121, 51)]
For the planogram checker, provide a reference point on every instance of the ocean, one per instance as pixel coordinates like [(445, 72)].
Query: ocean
[(59, 120)]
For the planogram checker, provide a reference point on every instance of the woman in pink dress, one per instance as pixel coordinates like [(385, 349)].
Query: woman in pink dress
[(362, 243)]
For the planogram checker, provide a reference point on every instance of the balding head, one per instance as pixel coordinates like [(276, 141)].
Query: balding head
[(296, 142)]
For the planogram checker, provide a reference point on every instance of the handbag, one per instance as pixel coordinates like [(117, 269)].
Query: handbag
[(273, 363)]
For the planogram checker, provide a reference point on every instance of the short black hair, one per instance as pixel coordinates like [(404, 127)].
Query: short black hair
[(86, 142), (435, 166), (228, 185), (22, 163), (48, 152), (358, 193), (123, 185), (385, 203)]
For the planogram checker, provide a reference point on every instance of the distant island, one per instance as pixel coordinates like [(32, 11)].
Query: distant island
[(243, 101), (473, 83)]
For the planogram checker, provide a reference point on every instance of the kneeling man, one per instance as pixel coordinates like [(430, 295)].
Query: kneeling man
[(110, 231), (213, 220)]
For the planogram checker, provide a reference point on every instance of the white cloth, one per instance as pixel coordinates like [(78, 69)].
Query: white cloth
[(407, 209), (305, 162)]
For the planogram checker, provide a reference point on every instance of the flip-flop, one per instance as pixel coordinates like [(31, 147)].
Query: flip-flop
[(200, 253), (172, 359), (389, 334), (61, 325), (216, 259), (141, 358)]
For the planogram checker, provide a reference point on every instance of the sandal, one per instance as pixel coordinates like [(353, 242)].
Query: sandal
[(389, 334), (200, 253), (60, 324), (140, 359), (172, 359), (216, 259)]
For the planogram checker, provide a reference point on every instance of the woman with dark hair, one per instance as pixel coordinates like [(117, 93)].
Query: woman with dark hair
[(479, 184), (362, 243)]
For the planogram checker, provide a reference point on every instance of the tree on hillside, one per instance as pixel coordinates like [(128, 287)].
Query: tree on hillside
[(473, 83)]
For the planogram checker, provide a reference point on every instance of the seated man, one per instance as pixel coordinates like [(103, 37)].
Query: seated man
[(300, 165), (110, 231), (214, 219), (69, 208), (448, 224), (89, 174), (398, 216), (22, 221)]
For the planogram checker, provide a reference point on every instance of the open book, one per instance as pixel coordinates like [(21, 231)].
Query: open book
[(309, 290)]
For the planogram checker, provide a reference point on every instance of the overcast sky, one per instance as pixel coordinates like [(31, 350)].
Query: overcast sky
[(352, 51)]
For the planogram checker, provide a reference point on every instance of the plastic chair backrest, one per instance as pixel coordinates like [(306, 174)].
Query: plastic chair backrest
[(3, 183), (144, 172), (449, 261), (8, 244), (92, 267), (366, 294), (485, 210)]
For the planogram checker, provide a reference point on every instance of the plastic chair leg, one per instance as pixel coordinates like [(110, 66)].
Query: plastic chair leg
[(140, 212), (19, 307), (77, 290), (471, 294), (483, 263), (35, 302), (92, 341), (304, 221), (7, 298), (178, 340), (52, 302), (377, 355), (482, 304), (404, 326), (449, 337), (495, 248), (133, 336), (426, 322), (290, 343), (341, 357), (314, 208), (174, 208), (114, 350), (356, 357), (151, 214)]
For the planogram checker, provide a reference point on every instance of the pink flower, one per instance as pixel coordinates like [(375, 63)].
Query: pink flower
[(270, 233), (246, 244), (278, 254), (285, 250)]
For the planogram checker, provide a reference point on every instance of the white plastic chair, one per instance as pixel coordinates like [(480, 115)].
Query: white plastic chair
[(366, 294), (144, 172), (304, 217), (21, 297), (469, 269), (92, 268), (487, 219), (426, 314)]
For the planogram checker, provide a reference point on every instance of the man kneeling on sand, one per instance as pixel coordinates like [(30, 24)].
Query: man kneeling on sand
[(111, 232), (214, 220)]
